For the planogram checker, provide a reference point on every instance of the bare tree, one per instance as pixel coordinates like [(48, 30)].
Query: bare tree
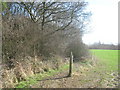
[(53, 24), (60, 13)]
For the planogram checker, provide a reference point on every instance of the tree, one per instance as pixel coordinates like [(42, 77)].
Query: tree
[(60, 13), (54, 24)]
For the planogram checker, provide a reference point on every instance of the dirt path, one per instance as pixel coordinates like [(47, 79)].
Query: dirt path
[(83, 77)]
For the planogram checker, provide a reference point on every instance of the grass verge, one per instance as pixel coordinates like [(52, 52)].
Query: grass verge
[(34, 79)]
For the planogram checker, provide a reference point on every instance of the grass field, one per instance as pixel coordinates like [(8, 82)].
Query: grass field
[(107, 58), (106, 65)]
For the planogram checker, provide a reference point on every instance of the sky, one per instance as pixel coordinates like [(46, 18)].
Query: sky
[(103, 22)]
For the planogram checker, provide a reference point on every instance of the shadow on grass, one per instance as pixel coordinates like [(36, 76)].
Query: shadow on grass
[(55, 78)]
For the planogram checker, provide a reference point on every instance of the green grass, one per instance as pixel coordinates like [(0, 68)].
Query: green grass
[(34, 79), (107, 58), (106, 64)]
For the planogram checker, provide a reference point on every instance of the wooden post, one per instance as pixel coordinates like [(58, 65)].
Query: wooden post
[(70, 65)]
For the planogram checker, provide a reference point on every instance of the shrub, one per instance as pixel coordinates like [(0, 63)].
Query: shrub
[(79, 50)]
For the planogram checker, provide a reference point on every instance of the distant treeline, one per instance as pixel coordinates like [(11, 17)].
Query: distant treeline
[(104, 46)]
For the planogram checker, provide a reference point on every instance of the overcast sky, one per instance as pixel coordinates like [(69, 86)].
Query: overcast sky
[(104, 22)]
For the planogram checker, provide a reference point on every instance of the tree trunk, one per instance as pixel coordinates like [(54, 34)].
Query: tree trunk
[(71, 65), (43, 16)]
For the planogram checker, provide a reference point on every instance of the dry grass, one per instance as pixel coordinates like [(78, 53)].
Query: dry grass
[(28, 68)]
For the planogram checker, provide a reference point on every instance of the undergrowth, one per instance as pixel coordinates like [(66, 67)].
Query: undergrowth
[(34, 79)]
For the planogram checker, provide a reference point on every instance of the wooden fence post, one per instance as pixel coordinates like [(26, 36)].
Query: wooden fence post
[(70, 65)]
